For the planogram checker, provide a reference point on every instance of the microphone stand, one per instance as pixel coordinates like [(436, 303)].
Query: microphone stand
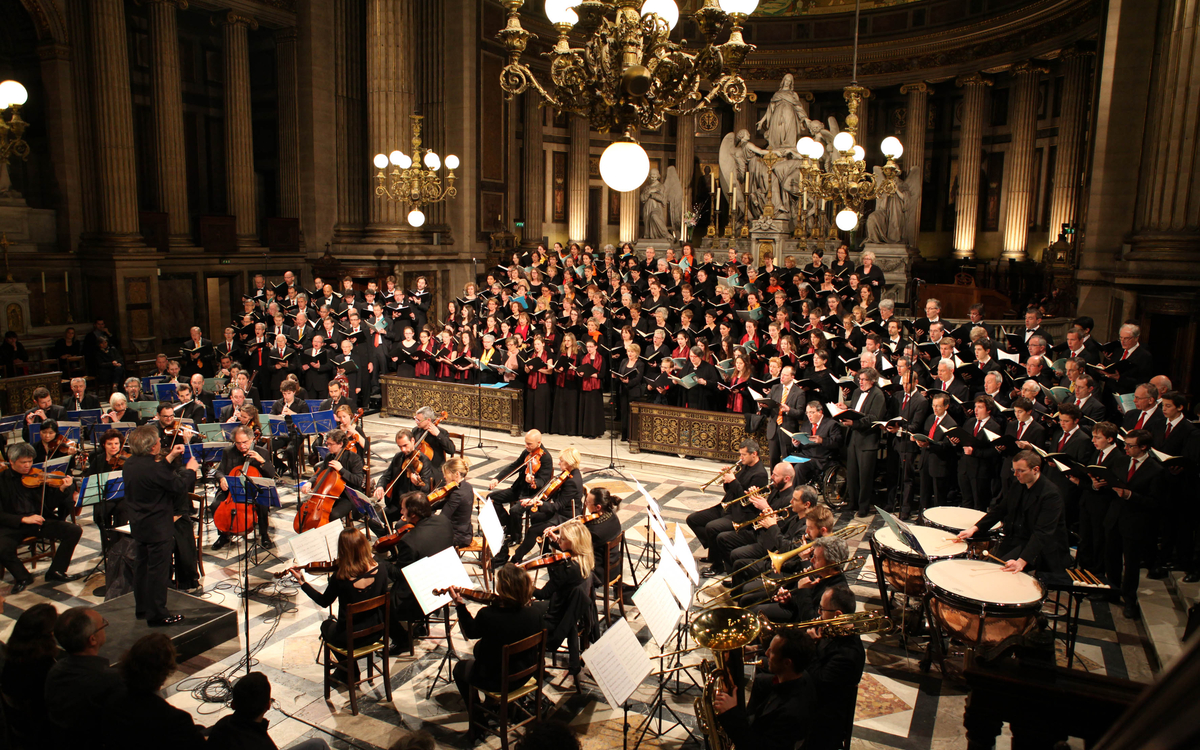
[(478, 379)]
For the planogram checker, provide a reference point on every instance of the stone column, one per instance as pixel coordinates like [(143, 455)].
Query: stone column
[(631, 208), (59, 82), (970, 146), (116, 168), (534, 176), (685, 155), (81, 90), (167, 84), (289, 123), (239, 134), (915, 122), (512, 186), (744, 118), (1064, 203), (1019, 185), (352, 157), (577, 179), (390, 100)]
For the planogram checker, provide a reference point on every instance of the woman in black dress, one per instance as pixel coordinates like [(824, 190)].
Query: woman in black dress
[(568, 594), (705, 395), (591, 399), (539, 399), (629, 374), (359, 577), (842, 266), (602, 523), (405, 354), (567, 389)]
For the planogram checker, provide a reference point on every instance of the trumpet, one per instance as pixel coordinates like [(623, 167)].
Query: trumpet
[(723, 472), (772, 585), (753, 494), (855, 623), (778, 515), (779, 558)]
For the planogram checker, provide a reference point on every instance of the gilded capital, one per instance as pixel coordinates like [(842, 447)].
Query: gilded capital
[(234, 19), (180, 4), (1028, 67), (973, 79), (920, 87)]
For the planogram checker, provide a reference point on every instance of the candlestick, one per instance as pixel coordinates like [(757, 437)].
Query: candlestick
[(67, 280), (43, 282)]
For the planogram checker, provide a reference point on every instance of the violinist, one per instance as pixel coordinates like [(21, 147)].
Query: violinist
[(244, 454), (346, 463), (119, 411), (80, 399), (457, 502), (285, 406), (108, 458), (52, 445), (602, 523), (408, 472), (359, 577), (568, 593), (171, 431), (430, 535), (44, 408), (509, 620), (29, 512), (345, 421), (560, 499), (530, 472), (188, 407), (435, 437)]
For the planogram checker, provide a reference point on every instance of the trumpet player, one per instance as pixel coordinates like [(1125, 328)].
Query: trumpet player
[(747, 540), (835, 671), (748, 474), (808, 521), (799, 601)]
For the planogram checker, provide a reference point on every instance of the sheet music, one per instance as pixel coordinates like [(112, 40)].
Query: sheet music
[(489, 524), (618, 663), (441, 571), (316, 545), (658, 607), (659, 530), (676, 579), (650, 501), (686, 559)]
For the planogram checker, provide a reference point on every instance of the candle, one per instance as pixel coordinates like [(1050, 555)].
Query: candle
[(733, 201), (718, 203), (747, 182), (67, 280), (43, 282)]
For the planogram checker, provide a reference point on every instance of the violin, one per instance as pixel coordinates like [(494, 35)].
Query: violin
[(545, 560), (117, 462), (423, 445), (535, 504), (226, 517), (316, 568), (40, 478), (386, 542), (475, 595), (439, 495), (533, 465)]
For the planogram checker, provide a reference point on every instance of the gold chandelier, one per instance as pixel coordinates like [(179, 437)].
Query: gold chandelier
[(414, 180), (629, 74), (12, 127)]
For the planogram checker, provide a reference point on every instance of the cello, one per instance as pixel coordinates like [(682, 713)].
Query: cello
[(226, 517), (327, 487)]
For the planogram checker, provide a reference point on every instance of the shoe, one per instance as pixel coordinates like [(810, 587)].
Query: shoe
[(1157, 573), (194, 590), (165, 621), (222, 541), (1192, 577), (19, 586), (54, 575), (862, 514), (711, 571), (1131, 611), (268, 543), (703, 559)]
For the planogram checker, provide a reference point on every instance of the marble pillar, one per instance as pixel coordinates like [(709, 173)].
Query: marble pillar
[(1064, 203), (239, 127), (685, 155), (81, 75), (631, 209), (512, 186), (1019, 177), (915, 123), (745, 118), (534, 177), (970, 148), (577, 179), (289, 123), (116, 166), (390, 100), (166, 82), (352, 157), (58, 82)]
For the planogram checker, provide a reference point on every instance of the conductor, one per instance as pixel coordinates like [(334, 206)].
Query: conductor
[(151, 484)]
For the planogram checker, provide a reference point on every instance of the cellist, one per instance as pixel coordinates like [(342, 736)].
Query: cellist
[(243, 455), (406, 473), (346, 463)]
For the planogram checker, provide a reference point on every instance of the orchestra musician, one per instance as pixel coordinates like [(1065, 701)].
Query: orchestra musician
[(748, 474), (532, 464), (836, 671), (188, 407), (781, 711), (243, 453), (80, 399), (348, 464), (205, 398), (229, 413), (737, 540), (457, 503), (430, 535), (44, 408), (119, 411), (52, 445), (561, 499), (568, 596), (337, 396), (109, 457), (397, 481), (287, 405), (359, 577), (799, 600), (435, 437), (808, 520), (151, 489), (31, 512)]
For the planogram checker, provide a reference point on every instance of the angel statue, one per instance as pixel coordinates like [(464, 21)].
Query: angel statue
[(783, 122), (823, 135), (888, 224), (662, 205), (738, 157)]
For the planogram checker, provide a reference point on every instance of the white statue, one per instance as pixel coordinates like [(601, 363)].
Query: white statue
[(662, 205), (783, 122), (888, 224), (738, 157)]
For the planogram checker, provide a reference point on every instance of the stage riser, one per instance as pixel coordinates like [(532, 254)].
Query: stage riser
[(205, 626)]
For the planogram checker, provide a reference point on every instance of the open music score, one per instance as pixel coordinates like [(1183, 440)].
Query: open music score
[(618, 663), (441, 571), (316, 545), (685, 556), (658, 606), (490, 526)]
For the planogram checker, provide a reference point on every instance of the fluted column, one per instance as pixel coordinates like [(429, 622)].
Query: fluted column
[(631, 208), (116, 167), (289, 123), (744, 118), (167, 84), (685, 155), (1018, 188), (78, 25), (239, 133), (915, 123), (1065, 200), (390, 100), (970, 147), (577, 179), (352, 164), (534, 177)]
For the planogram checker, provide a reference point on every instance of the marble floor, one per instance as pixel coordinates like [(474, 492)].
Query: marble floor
[(899, 706)]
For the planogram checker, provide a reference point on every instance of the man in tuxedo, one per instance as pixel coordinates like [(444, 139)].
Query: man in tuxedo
[(80, 399), (993, 384), (1085, 398), (937, 453), (863, 444), (435, 437), (1146, 415), (1033, 327), (1077, 350), (933, 312), (952, 386), (1138, 364), (745, 541), (1069, 438), (824, 440), (237, 397), (790, 398), (520, 489), (203, 396), (979, 467), (431, 533), (315, 367), (1129, 526), (242, 455), (911, 405), (836, 673), (748, 474), (34, 512), (975, 314), (188, 407)]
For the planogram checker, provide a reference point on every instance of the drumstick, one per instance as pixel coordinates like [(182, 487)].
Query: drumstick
[(1074, 576)]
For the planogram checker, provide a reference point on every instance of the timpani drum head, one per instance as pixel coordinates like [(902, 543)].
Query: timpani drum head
[(985, 582), (936, 543), (951, 517)]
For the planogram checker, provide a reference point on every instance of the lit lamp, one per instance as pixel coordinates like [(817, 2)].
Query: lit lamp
[(414, 180), (12, 128)]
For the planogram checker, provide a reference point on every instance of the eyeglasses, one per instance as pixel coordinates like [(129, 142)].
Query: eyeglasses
[(103, 625)]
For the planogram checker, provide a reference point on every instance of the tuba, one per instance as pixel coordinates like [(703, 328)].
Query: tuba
[(719, 629)]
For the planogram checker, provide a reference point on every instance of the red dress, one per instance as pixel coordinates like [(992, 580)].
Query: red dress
[(423, 369), (445, 371)]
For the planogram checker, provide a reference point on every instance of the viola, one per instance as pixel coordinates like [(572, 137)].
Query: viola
[(317, 568), (545, 560), (439, 495), (551, 487), (533, 465), (40, 478), (327, 487), (423, 446), (386, 542), (475, 595), (226, 517)]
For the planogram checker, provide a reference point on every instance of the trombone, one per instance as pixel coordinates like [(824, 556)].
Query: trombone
[(754, 494), (723, 472), (772, 585), (778, 515), (779, 558), (855, 623)]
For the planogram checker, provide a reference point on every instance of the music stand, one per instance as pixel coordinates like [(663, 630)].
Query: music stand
[(618, 664), (100, 489)]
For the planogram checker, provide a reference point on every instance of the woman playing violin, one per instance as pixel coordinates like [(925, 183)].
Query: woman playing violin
[(560, 500), (565, 610), (243, 456), (108, 458), (345, 422), (52, 445), (359, 577), (458, 501)]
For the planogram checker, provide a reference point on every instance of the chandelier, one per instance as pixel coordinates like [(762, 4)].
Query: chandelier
[(629, 74), (414, 180), (843, 179), (12, 128)]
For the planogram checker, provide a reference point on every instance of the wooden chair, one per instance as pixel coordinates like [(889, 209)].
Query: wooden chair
[(346, 657), (462, 440), (483, 559), (612, 581), (513, 687), (39, 549)]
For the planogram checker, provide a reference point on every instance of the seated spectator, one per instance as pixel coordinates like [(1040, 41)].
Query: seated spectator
[(31, 652), (246, 727), (81, 684), (142, 719)]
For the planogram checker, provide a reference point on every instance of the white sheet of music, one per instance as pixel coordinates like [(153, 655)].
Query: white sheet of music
[(686, 559), (650, 501), (316, 545), (658, 607), (676, 579), (441, 571), (659, 530), (618, 663), (489, 524)]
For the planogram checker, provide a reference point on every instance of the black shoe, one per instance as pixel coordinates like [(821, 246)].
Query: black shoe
[(703, 559), (222, 541), (19, 586), (1192, 577), (165, 621), (268, 543), (712, 571), (54, 575), (862, 514), (1157, 573), (1131, 611)]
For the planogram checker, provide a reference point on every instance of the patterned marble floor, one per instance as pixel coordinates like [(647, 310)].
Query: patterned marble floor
[(898, 705)]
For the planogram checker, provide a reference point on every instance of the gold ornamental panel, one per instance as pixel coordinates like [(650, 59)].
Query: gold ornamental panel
[(466, 405), (687, 432), (16, 394)]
